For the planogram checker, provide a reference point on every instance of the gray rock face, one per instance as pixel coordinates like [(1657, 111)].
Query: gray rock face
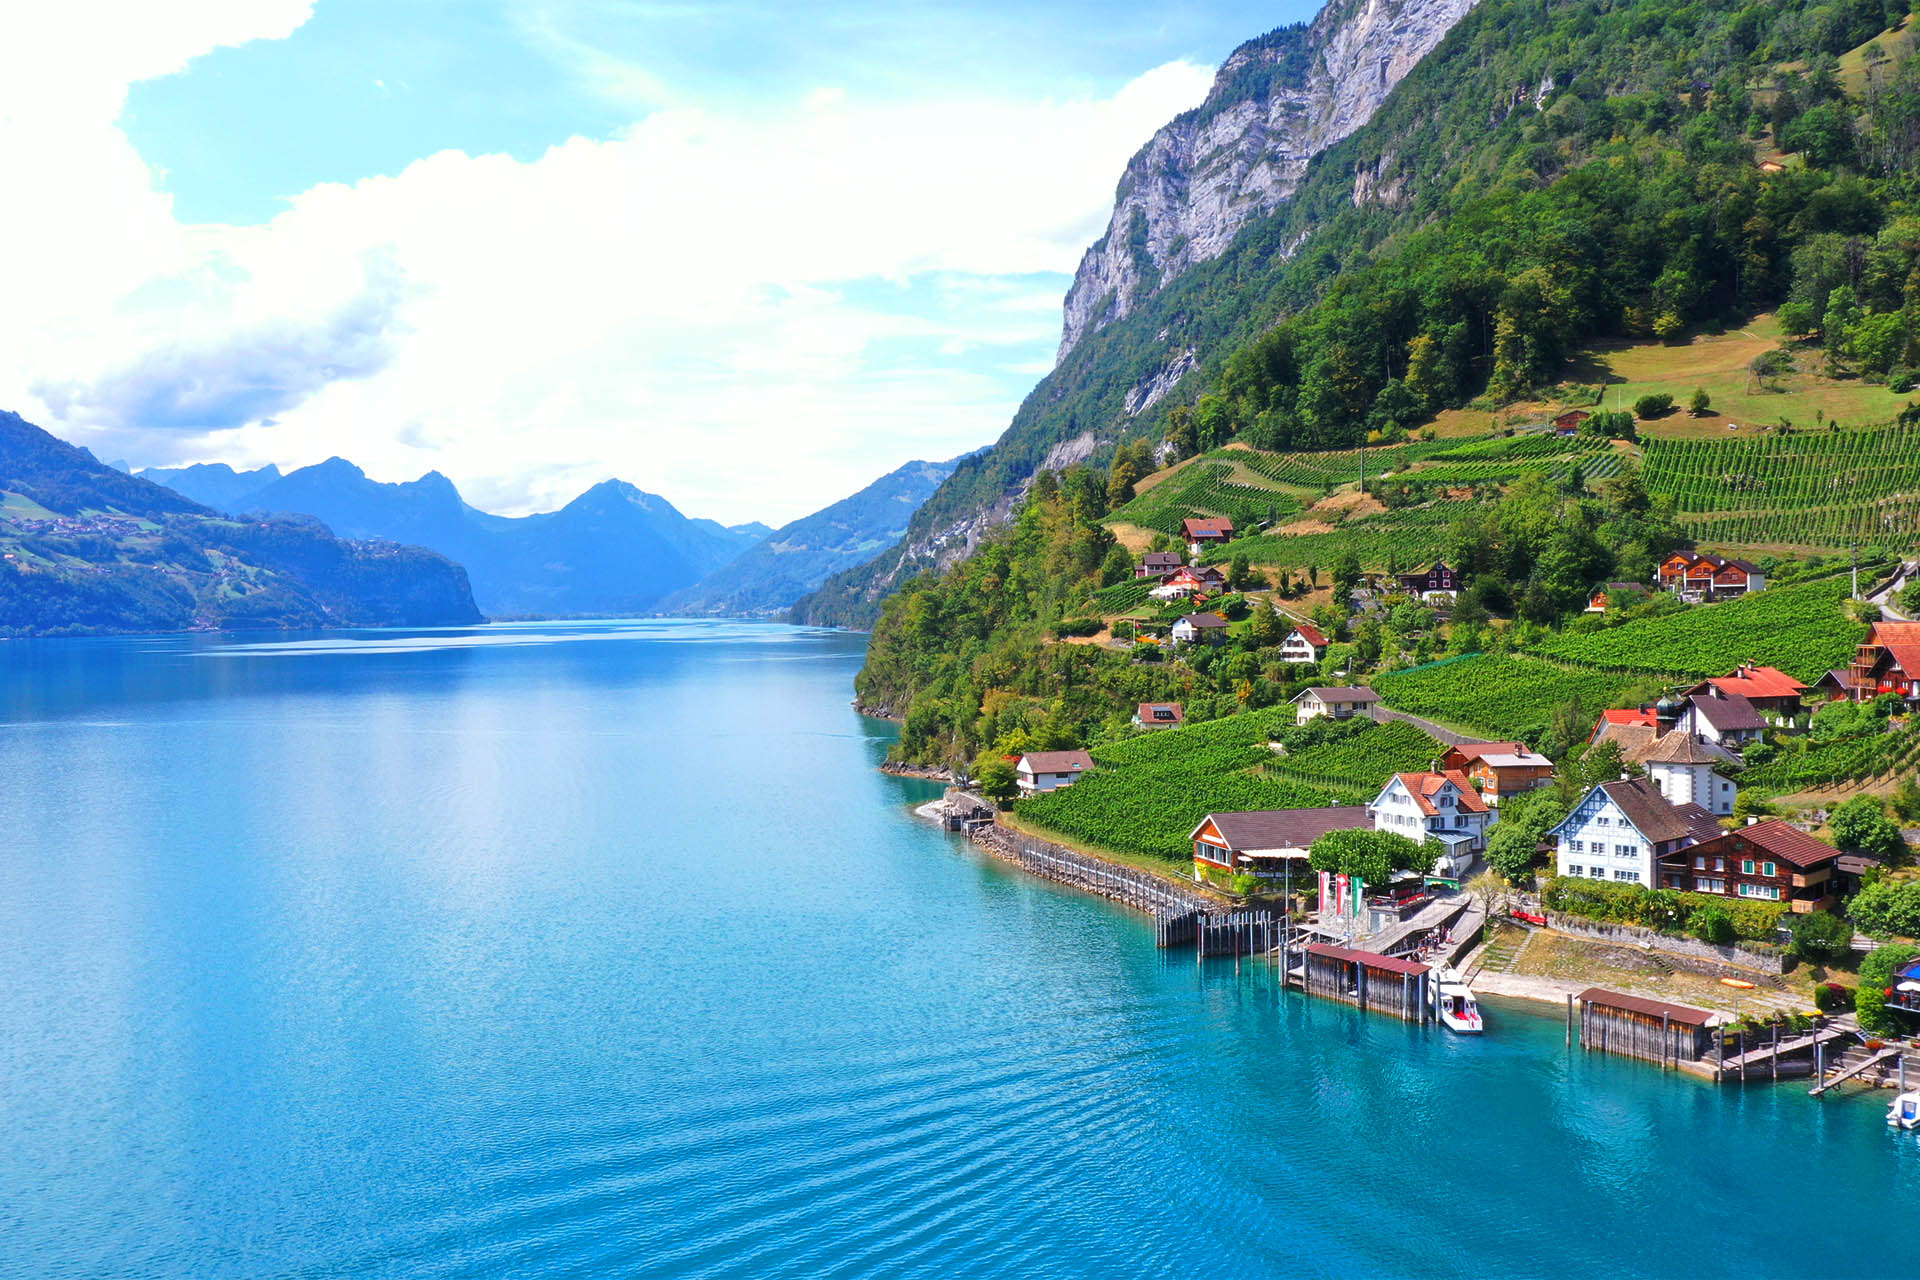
[(1277, 102)]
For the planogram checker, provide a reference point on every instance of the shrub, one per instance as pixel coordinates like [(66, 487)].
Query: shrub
[(1876, 975), (1653, 406), (1888, 907), (1862, 825), (1699, 402), (1078, 627), (1712, 925), (1821, 935)]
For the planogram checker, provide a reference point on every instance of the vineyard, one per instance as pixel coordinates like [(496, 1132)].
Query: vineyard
[(1802, 765), (1359, 764), (1321, 472), (1404, 538), (1826, 490), (1215, 485), (1148, 793), (1800, 629), (1504, 696)]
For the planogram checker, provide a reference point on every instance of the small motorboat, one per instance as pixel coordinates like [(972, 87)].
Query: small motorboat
[(1453, 1003), (1905, 1111)]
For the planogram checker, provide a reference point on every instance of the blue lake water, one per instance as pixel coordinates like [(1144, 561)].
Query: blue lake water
[(604, 950)]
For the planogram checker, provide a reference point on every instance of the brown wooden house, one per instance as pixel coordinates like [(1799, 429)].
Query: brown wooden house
[(1770, 861)]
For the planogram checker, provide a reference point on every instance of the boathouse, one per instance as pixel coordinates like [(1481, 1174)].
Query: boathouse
[(1636, 1027), (1384, 983)]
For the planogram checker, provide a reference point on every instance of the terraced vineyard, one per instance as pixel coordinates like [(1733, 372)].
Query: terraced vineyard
[(1821, 490), (1148, 793), (1800, 629), (1503, 696), (1408, 537), (1805, 765), (1503, 459), (1356, 767), (1318, 472), (1216, 485)]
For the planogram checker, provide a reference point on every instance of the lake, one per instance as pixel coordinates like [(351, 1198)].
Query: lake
[(604, 949)]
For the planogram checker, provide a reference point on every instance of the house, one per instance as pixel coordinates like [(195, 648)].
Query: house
[(1771, 861), (1498, 769), (1704, 576), (1341, 704), (1157, 564), (1737, 578), (1615, 595), (1267, 842), (1644, 717), (1904, 994), (1688, 771), (1570, 421), (1442, 805), (1773, 693), (1199, 534), (1195, 628), (1436, 577), (1726, 718), (1039, 771), (1185, 581), (1889, 662), (1159, 715), (1619, 831), (1836, 684), (1304, 644)]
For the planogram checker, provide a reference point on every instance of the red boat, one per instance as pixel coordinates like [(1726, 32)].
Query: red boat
[(1527, 917)]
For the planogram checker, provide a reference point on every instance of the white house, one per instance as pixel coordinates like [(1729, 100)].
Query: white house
[(1688, 772), (1619, 831), (1726, 718), (1304, 644), (1198, 627), (1048, 770), (1341, 704), (1444, 806)]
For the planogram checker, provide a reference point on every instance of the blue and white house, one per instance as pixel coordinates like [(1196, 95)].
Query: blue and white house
[(1619, 831)]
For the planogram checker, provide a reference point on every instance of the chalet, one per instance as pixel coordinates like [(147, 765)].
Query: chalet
[(1772, 692), (1687, 771), (1571, 421), (1039, 771), (1737, 578), (1615, 595), (1695, 575), (1726, 718), (1201, 534), (1437, 577), (1498, 769), (1889, 662), (1267, 842), (1199, 628), (1619, 831), (1159, 715), (1836, 684), (1204, 580), (1157, 564), (1769, 861), (1341, 704), (1304, 644), (1444, 806)]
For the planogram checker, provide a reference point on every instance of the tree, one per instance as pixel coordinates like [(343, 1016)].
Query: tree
[(994, 778), (1876, 976), (1861, 825), (1910, 599), (1906, 799), (1513, 843), (1653, 406), (1821, 936), (1888, 908), (1267, 629), (1239, 570), (1699, 402), (1373, 856), (1798, 319), (1489, 888)]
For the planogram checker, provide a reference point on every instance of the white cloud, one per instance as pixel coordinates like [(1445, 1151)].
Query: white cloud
[(688, 305)]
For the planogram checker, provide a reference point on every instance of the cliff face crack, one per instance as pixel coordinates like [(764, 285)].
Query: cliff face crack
[(1277, 103)]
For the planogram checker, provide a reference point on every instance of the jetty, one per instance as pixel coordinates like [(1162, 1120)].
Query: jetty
[(1857, 1070), (1770, 1057)]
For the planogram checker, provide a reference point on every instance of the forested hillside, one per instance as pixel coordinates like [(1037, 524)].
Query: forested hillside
[(1550, 173)]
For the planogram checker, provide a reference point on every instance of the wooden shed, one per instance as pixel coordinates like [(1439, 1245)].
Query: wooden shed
[(1637, 1027), (1385, 983)]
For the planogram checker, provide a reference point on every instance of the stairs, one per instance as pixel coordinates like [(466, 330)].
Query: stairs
[(1502, 951)]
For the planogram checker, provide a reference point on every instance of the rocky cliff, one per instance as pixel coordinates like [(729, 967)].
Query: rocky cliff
[(1278, 102)]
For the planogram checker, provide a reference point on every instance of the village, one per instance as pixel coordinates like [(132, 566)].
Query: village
[(1391, 904)]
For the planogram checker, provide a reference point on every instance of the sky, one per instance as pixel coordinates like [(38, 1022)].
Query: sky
[(746, 255)]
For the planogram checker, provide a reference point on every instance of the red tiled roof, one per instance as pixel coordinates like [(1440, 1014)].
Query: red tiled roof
[(1646, 718), (1425, 786), (1901, 640), (1193, 527), (1311, 634), (1471, 751), (1758, 682), (1057, 761), (1160, 713), (1783, 840)]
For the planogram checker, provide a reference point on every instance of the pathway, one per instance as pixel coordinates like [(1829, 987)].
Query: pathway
[(1444, 736)]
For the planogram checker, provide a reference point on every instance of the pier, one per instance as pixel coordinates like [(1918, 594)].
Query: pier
[(1365, 979)]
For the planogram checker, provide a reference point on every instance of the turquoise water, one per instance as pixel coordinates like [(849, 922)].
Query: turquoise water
[(604, 950)]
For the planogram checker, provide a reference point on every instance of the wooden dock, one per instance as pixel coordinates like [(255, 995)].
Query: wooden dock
[(1767, 1057), (1857, 1069)]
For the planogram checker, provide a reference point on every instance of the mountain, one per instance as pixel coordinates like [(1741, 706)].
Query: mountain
[(87, 548), (1277, 102), (213, 484), (613, 550), (789, 562)]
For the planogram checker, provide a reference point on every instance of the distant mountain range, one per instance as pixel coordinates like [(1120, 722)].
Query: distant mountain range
[(613, 550), (86, 548)]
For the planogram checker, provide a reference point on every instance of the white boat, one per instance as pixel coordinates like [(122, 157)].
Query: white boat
[(1453, 1002), (1905, 1111)]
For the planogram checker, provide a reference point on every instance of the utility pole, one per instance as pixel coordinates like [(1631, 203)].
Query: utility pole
[(1856, 570)]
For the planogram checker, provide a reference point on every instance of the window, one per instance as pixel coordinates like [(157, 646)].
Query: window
[(1699, 864), (1719, 864), (1625, 850), (1746, 866), (1709, 885), (1767, 869), (1598, 873), (1603, 821), (1578, 847), (1626, 875), (1575, 869)]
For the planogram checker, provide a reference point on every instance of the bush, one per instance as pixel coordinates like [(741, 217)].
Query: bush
[(1699, 402), (1712, 925), (1653, 406), (1078, 627), (1876, 976), (1821, 935), (1888, 907), (1862, 825)]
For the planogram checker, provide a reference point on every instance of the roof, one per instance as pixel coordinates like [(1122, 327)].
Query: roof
[(1515, 760), (1651, 814), (1204, 620), (1730, 713), (1284, 828), (1757, 682), (1901, 640), (1746, 565), (1311, 634), (1336, 694), (1646, 718), (1392, 964), (1677, 1013), (1844, 679), (1164, 712), (1679, 748), (1171, 559), (1194, 526), (1425, 786), (1480, 750), (1056, 761), (1702, 825), (1785, 842), (1855, 864)]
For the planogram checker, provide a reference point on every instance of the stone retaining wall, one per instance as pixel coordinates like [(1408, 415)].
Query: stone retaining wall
[(1686, 953)]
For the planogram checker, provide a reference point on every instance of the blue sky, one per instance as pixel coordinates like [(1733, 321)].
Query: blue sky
[(536, 244)]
